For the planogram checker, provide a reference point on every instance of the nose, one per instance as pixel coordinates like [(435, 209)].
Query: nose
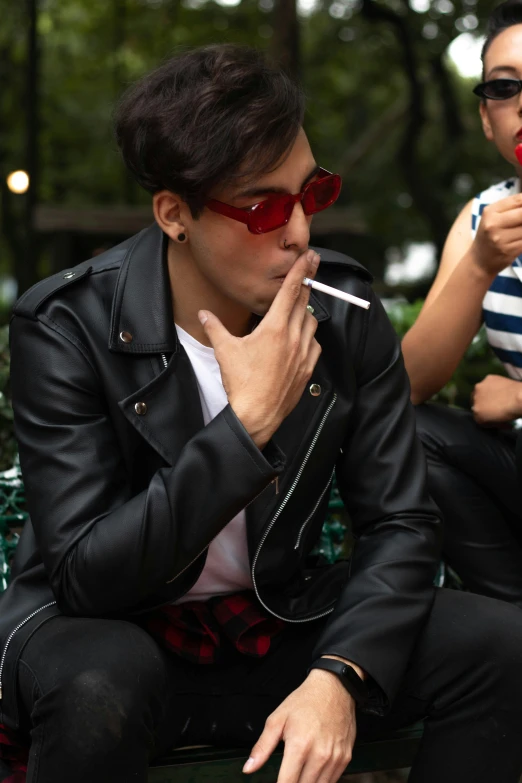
[(296, 233)]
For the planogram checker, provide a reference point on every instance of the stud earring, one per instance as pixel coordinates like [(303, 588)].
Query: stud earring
[(182, 237)]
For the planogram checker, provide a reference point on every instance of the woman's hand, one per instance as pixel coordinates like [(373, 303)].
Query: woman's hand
[(496, 400), (499, 236)]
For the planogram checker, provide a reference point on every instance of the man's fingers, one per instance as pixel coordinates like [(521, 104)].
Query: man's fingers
[(213, 328), (292, 290), (302, 301), (299, 312), (294, 759), (313, 356), (265, 746), (319, 766), (308, 331)]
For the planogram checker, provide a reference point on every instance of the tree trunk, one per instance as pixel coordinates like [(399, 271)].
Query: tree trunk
[(26, 267), (286, 42), (419, 186)]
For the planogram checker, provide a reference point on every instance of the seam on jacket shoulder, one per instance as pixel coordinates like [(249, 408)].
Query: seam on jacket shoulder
[(45, 320)]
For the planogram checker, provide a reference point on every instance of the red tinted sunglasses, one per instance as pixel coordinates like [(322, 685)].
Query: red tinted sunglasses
[(276, 210)]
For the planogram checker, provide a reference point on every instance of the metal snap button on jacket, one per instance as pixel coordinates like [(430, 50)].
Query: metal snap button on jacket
[(68, 275), (141, 408), (126, 337), (315, 390)]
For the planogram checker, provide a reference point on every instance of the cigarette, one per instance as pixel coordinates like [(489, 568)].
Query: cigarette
[(327, 289)]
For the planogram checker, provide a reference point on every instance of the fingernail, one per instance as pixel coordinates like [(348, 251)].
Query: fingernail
[(203, 317), (314, 261), (248, 765)]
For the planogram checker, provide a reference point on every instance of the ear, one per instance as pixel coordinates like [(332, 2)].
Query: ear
[(170, 213), (486, 125)]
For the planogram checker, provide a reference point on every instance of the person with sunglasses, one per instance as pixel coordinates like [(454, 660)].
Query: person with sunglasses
[(471, 455), (181, 403)]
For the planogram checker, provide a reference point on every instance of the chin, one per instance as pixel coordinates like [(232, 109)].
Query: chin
[(260, 310), (259, 298)]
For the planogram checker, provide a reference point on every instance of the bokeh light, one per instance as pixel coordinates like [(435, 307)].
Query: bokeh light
[(18, 182)]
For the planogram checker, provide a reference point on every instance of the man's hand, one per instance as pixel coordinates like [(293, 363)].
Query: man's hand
[(496, 400), (317, 724), (264, 374)]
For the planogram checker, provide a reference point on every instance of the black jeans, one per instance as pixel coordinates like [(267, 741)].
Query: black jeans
[(101, 698), (472, 477)]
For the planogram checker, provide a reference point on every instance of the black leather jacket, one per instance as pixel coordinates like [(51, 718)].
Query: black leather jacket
[(126, 488)]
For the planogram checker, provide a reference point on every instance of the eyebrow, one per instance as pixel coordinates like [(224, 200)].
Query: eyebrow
[(502, 68), (260, 191)]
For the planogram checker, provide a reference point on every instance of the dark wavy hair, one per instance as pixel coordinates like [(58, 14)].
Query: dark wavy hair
[(505, 15), (207, 117)]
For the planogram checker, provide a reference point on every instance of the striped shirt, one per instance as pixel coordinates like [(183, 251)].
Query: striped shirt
[(502, 305)]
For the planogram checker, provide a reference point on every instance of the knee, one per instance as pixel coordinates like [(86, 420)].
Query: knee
[(96, 712), (439, 426), (106, 696), (488, 642)]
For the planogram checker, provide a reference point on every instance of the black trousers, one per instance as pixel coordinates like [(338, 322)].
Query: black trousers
[(472, 477), (101, 698)]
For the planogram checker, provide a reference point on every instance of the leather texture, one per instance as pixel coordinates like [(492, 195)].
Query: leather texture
[(123, 504)]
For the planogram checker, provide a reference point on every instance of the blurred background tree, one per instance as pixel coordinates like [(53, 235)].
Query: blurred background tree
[(387, 108)]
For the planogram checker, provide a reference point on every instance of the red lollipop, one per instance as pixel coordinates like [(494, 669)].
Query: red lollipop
[(518, 153)]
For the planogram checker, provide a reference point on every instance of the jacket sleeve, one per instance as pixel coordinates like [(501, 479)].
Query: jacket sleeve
[(381, 475), (106, 548)]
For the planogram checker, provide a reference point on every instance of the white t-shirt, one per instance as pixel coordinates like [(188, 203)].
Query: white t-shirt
[(227, 568)]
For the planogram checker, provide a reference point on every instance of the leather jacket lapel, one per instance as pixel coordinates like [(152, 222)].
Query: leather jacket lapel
[(167, 411)]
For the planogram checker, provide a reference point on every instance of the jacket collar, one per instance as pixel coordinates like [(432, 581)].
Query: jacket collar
[(142, 320)]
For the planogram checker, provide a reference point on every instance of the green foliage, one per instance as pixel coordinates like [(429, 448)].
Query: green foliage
[(8, 448), (479, 360), (358, 59)]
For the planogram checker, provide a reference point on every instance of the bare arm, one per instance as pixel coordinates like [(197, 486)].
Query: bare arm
[(450, 317), (452, 313)]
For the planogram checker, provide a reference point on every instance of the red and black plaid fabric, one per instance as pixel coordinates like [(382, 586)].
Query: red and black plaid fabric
[(14, 751), (194, 630)]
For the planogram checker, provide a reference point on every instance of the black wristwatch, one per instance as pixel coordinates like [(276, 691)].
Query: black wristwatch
[(355, 686)]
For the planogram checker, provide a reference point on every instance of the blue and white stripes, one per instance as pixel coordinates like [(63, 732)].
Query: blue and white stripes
[(502, 305)]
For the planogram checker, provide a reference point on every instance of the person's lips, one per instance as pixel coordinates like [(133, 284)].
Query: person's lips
[(518, 135), (280, 275)]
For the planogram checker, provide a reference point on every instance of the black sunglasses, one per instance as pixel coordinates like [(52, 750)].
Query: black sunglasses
[(499, 89)]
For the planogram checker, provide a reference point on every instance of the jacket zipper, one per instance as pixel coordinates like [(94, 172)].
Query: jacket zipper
[(278, 513), (309, 517), (8, 642), (165, 362)]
